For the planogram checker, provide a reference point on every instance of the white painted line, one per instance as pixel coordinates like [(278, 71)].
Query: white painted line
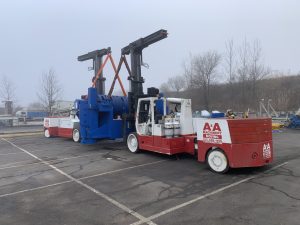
[(82, 178), (123, 169), (18, 162), (37, 188), (11, 153), (52, 160), (114, 202), (150, 218), (20, 135), (15, 153)]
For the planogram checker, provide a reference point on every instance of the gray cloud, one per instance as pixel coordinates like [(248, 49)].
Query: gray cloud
[(37, 35)]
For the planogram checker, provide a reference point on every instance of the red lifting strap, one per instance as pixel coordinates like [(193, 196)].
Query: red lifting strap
[(108, 56), (122, 59)]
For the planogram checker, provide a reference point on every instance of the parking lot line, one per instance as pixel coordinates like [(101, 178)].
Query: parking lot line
[(114, 202), (11, 153), (16, 153), (22, 134), (14, 163), (53, 160), (119, 170), (34, 189), (82, 178), (164, 212)]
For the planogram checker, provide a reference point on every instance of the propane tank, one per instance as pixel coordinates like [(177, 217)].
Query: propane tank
[(168, 125), (176, 126)]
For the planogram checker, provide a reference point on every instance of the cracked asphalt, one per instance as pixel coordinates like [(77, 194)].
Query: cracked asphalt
[(56, 181)]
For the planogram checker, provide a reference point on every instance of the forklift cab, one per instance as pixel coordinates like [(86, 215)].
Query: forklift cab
[(154, 114), (150, 112), (161, 124)]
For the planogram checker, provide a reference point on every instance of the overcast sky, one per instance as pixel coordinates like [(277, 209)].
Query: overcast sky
[(38, 35)]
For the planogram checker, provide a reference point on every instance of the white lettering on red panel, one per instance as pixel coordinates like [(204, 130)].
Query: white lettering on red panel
[(267, 151), (213, 131)]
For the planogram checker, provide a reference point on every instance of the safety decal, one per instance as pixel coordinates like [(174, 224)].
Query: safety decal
[(267, 151), (212, 133)]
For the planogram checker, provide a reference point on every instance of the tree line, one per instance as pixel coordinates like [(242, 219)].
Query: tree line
[(237, 79)]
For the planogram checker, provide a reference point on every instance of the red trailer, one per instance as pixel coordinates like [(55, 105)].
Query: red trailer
[(67, 127), (240, 142)]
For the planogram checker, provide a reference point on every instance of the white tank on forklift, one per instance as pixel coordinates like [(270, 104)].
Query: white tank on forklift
[(185, 115)]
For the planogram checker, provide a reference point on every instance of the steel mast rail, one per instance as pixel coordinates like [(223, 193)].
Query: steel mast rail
[(98, 79), (136, 80), (97, 56)]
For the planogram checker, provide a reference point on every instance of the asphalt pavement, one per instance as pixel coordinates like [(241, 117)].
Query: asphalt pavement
[(56, 181)]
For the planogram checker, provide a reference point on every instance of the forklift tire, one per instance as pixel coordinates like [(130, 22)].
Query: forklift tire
[(133, 143), (76, 135), (217, 161), (47, 133)]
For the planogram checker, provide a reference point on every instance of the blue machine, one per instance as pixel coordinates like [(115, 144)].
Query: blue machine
[(217, 115), (294, 122), (101, 116)]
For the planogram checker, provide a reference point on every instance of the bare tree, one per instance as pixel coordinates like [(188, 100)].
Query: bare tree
[(244, 58), (50, 90), (35, 105), (7, 89), (7, 94), (203, 72), (164, 87), (243, 72), (188, 72), (176, 83), (229, 60), (230, 69), (257, 70)]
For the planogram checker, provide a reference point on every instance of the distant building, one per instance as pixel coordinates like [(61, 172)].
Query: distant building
[(7, 110), (8, 107), (2, 110)]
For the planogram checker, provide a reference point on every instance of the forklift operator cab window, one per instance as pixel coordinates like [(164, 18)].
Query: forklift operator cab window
[(144, 112), (174, 108)]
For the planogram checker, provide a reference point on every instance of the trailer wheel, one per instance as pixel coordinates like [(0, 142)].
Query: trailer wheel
[(132, 143), (217, 161), (47, 133), (76, 135)]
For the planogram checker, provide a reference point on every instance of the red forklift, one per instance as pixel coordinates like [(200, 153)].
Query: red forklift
[(166, 125)]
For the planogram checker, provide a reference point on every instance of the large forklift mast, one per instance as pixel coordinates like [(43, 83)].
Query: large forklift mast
[(136, 80), (97, 56)]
